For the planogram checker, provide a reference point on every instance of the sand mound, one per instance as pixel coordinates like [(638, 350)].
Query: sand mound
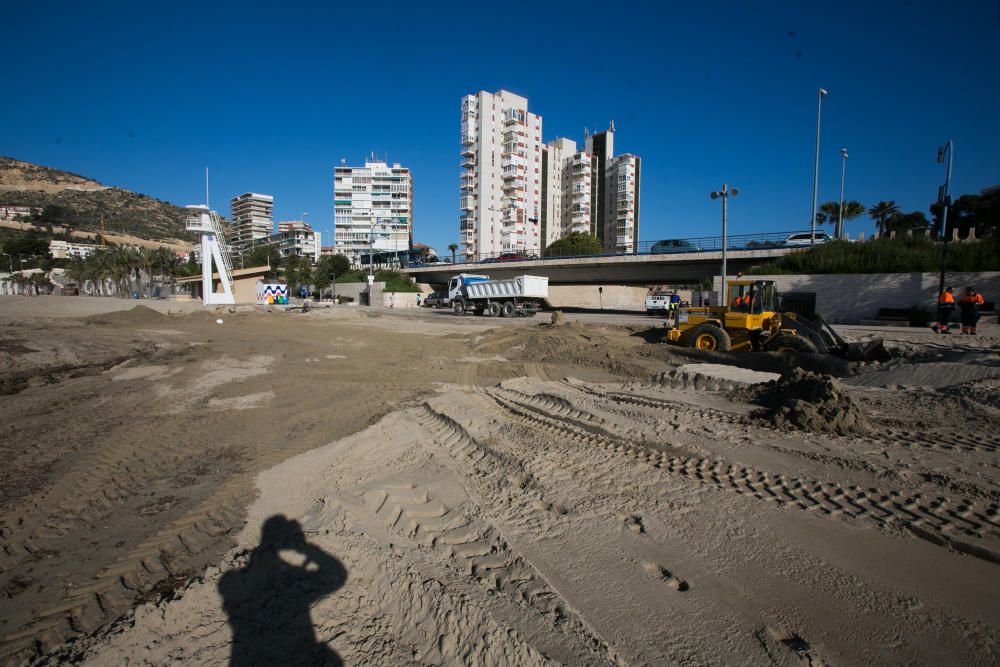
[(613, 349), (558, 318), (138, 316), (806, 401)]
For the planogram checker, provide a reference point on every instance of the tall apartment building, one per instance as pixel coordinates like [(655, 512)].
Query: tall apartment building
[(374, 200), (250, 220), (295, 238), (568, 191), (500, 182), (617, 200)]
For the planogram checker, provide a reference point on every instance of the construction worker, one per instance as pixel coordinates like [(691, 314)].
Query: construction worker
[(969, 305), (946, 305)]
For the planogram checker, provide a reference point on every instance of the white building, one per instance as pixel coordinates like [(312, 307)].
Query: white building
[(500, 181), (251, 220), (569, 191), (17, 213), (295, 238), (373, 209), (64, 249), (617, 201)]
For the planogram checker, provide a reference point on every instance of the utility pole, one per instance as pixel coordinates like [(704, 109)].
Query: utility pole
[(812, 212), (725, 193), (840, 210), (944, 198)]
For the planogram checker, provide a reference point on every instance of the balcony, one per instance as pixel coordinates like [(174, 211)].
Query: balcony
[(468, 137), (468, 162), (467, 183), (624, 240), (513, 184), (467, 203), (468, 150), (467, 226)]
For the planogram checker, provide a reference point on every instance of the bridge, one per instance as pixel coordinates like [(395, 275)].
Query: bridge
[(681, 261)]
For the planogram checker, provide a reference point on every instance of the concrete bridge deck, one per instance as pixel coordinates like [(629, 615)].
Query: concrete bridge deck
[(644, 269)]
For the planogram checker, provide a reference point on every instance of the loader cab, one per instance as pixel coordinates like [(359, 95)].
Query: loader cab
[(751, 297)]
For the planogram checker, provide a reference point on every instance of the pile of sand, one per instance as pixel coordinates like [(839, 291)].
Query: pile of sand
[(139, 316), (806, 401)]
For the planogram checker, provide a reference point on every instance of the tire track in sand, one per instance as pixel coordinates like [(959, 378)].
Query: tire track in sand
[(941, 520)]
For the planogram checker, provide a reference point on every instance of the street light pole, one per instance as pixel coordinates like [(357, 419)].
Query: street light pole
[(371, 260), (725, 193), (840, 210), (812, 211), (944, 198)]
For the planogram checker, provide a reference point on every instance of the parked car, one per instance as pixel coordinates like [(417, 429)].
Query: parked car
[(437, 300), (673, 245), (511, 257), (805, 238)]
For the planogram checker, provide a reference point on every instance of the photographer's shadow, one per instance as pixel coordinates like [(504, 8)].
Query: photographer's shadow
[(268, 600)]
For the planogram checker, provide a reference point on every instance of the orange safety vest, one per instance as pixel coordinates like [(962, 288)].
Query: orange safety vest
[(946, 297), (976, 298)]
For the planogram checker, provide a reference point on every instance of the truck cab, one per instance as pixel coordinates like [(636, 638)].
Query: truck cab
[(456, 286)]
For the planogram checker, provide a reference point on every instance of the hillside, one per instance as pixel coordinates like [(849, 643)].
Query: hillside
[(79, 202)]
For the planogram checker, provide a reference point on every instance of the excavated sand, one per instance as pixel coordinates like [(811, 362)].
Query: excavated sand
[(404, 489)]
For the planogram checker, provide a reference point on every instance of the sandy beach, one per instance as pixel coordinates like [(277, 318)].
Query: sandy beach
[(414, 487)]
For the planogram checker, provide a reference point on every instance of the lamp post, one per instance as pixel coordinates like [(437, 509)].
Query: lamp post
[(840, 209), (371, 260), (725, 193), (944, 198), (812, 211)]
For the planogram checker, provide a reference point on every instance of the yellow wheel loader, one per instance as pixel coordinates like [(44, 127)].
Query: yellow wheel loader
[(749, 320)]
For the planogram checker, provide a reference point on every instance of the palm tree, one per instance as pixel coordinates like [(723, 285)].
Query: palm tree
[(830, 211), (453, 247), (881, 213), (77, 272)]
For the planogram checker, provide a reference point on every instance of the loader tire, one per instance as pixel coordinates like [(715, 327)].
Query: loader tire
[(709, 338), (790, 344)]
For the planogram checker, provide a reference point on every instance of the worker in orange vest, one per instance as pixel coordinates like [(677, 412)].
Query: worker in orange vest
[(970, 303), (946, 304)]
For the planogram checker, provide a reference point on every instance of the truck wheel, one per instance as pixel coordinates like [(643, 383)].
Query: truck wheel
[(508, 309), (458, 306), (790, 343), (493, 310), (710, 338)]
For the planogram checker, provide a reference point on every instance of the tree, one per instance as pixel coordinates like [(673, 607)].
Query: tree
[(77, 272), (881, 212), (905, 222), (829, 212), (574, 244), (453, 247), (968, 212)]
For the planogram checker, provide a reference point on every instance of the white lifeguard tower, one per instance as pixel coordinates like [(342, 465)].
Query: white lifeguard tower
[(213, 245)]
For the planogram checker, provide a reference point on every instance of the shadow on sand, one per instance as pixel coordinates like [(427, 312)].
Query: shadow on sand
[(268, 600)]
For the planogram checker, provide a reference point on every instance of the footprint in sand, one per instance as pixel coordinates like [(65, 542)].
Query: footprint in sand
[(657, 571)]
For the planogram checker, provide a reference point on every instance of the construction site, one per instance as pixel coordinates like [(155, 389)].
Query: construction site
[(189, 484)]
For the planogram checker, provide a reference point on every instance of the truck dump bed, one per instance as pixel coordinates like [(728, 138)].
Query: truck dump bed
[(521, 287)]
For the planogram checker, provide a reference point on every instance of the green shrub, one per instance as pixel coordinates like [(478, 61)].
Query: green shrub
[(899, 255)]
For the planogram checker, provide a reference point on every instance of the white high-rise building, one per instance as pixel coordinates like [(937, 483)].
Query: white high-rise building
[(569, 191), (373, 209), (501, 177), (251, 220), (617, 200), (296, 238)]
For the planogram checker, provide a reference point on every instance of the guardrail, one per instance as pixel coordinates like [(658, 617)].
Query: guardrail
[(665, 247)]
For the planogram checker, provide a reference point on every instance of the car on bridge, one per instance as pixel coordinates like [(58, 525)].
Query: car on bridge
[(806, 238), (673, 245)]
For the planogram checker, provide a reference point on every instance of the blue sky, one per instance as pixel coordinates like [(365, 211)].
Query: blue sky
[(271, 96)]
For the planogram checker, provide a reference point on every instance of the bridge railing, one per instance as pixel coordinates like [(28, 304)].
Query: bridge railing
[(693, 244)]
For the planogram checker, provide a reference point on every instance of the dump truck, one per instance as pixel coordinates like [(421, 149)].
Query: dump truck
[(749, 320), (522, 296)]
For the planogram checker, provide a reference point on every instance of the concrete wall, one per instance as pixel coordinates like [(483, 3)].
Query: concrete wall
[(355, 290), (849, 298), (399, 299), (615, 297)]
